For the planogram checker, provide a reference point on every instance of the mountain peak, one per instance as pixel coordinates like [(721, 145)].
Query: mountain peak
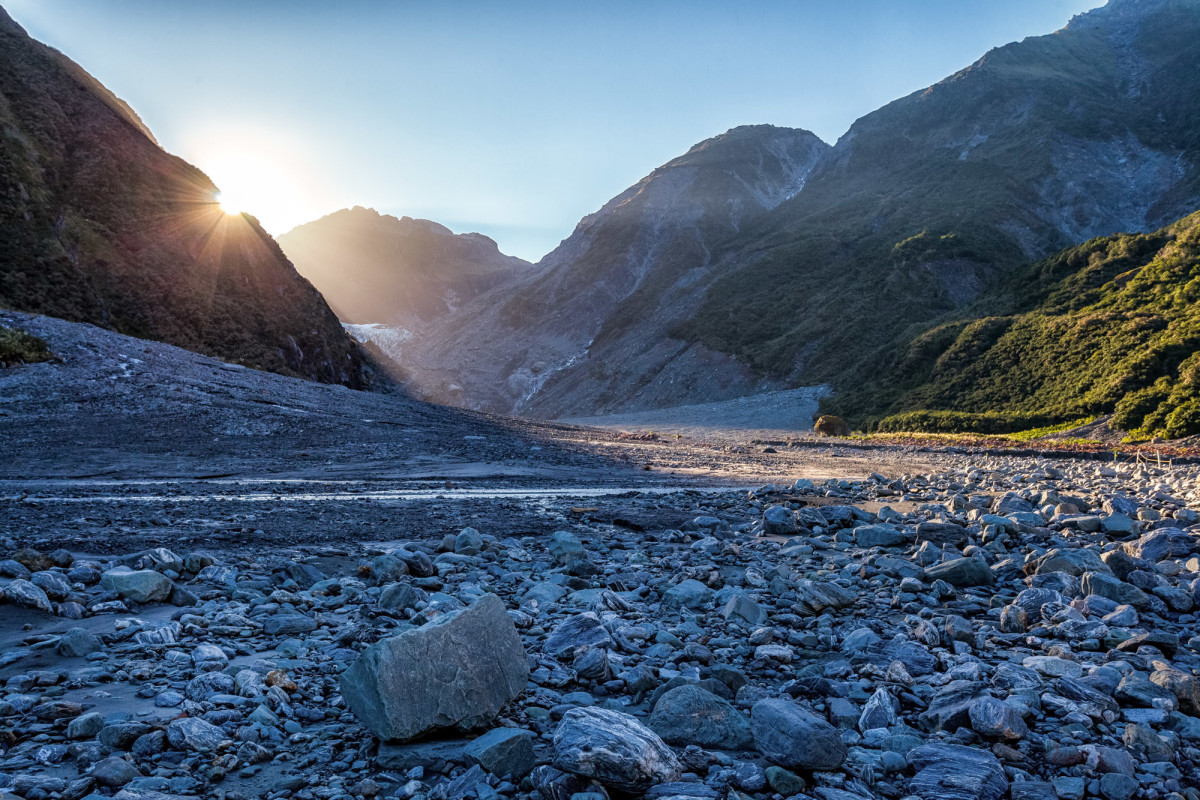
[(377, 268)]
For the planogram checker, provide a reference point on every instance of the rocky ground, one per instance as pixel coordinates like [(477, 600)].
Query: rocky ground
[(561, 623)]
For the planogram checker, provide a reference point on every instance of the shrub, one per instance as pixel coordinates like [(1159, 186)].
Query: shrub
[(19, 347), (831, 425)]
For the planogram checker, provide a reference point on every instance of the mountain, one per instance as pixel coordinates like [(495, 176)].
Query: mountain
[(98, 224), (1109, 326), (720, 289), (586, 328), (405, 273), (922, 204)]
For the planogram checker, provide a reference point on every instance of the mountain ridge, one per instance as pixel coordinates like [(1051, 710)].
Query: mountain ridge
[(103, 226), (510, 345), (920, 207)]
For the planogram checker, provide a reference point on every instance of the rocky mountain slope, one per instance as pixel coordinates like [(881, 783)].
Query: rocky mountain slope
[(1112, 325), (853, 250), (375, 268), (1037, 146), (587, 329), (98, 224)]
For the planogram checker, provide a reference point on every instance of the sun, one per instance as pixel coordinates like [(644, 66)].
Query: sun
[(230, 204), (257, 172)]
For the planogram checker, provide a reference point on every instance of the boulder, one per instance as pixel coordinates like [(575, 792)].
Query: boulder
[(26, 595), (995, 718), (961, 572), (1114, 589), (614, 749), (191, 733), (457, 671), (690, 715), (831, 425), (794, 737), (955, 772), (140, 586), (576, 633), (690, 593), (779, 521), (881, 536)]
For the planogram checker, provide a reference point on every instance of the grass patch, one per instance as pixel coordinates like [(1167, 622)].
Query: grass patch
[(1038, 433), (18, 347)]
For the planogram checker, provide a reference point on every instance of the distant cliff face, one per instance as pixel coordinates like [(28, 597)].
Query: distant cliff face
[(590, 320), (100, 225), (375, 268), (763, 258)]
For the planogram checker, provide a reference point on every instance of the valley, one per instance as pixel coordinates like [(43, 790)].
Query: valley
[(375, 511)]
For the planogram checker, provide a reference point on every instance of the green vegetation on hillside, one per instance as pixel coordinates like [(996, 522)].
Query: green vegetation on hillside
[(1110, 326), (886, 264), (19, 347)]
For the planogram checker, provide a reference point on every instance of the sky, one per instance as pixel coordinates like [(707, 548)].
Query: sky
[(515, 118)]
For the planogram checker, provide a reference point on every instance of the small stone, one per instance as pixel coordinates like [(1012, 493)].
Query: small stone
[(194, 734), (783, 781), (85, 726), (503, 751), (77, 643), (1115, 786)]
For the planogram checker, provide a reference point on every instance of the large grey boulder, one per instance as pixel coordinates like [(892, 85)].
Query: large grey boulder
[(614, 748), (690, 715), (457, 671), (140, 586), (794, 737)]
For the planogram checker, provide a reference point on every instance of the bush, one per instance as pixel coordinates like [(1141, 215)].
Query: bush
[(19, 347), (831, 425), (990, 422)]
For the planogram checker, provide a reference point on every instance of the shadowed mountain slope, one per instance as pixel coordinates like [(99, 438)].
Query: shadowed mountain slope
[(98, 224), (586, 329)]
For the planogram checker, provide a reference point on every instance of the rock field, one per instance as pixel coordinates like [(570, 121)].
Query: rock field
[(1006, 628), (217, 583)]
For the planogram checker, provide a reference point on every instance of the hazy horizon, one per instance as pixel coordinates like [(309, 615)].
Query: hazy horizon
[(511, 121)]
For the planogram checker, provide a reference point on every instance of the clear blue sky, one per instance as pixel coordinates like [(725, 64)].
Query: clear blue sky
[(510, 118)]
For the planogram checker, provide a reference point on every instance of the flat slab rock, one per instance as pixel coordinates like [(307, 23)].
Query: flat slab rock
[(455, 672)]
